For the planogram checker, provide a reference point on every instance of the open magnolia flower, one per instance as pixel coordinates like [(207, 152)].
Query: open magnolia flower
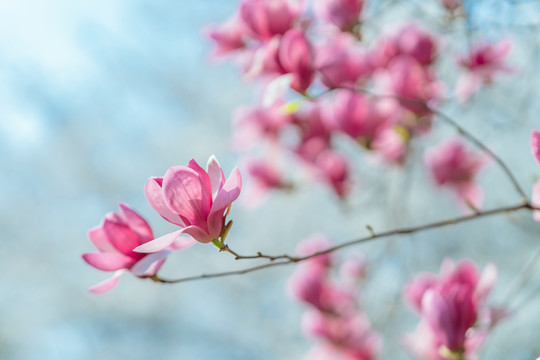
[(194, 199), (116, 238)]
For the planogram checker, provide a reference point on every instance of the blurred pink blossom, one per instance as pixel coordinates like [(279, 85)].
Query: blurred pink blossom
[(482, 63), (115, 239), (266, 18), (342, 13), (341, 61), (535, 144), (451, 306), (451, 165), (228, 36), (194, 199)]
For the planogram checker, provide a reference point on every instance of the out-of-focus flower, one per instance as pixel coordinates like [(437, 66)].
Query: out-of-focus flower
[(333, 168), (342, 13), (341, 61), (535, 144), (536, 200), (267, 18), (296, 58), (451, 5), (452, 306), (116, 238), (391, 144), (228, 36), (482, 63), (358, 116), (452, 165), (194, 199), (408, 41)]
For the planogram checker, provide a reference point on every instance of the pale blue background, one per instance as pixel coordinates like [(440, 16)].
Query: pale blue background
[(97, 96)]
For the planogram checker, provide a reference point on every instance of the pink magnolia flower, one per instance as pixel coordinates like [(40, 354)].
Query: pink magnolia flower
[(358, 116), (482, 63), (228, 36), (194, 199), (115, 239), (452, 306), (535, 144), (451, 5), (266, 176), (342, 13), (267, 18), (409, 41), (333, 168), (392, 144), (296, 58), (341, 61), (452, 166)]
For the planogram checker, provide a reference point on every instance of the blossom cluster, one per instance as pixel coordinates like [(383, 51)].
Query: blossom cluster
[(194, 199), (325, 82), (334, 317)]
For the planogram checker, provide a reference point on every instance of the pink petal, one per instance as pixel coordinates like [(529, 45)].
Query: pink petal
[(217, 179), (414, 291), (159, 244), (100, 241), (227, 194), (203, 174), (106, 285), (535, 144), (199, 234), (182, 243), (137, 223), (146, 266), (123, 238), (108, 261), (470, 193), (486, 282), (154, 195), (188, 194), (536, 201)]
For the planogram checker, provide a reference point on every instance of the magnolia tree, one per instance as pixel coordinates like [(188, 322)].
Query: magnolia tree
[(327, 76)]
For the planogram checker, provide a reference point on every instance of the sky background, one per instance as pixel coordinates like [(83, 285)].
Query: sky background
[(95, 97)]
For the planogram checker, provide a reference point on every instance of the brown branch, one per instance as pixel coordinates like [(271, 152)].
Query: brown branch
[(285, 259)]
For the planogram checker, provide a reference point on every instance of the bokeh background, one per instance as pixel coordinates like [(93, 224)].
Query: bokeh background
[(97, 96)]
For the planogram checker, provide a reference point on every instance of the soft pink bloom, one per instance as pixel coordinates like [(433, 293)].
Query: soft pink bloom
[(267, 18), (409, 41), (314, 244), (536, 200), (391, 144), (309, 284), (451, 5), (414, 86), (228, 36), (115, 239), (333, 168), (342, 13), (256, 122), (358, 116), (452, 165), (296, 57), (194, 199), (341, 61), (353, 269), (452, 306), (535, 144), (483, 63), (266, 176)]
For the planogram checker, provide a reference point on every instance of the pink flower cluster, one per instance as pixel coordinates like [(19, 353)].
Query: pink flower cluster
[(316, 69), (190, 197), (334, 318), (452, 166), (455, 321)]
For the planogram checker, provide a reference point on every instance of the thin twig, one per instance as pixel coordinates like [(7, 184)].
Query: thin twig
[(401, 231)]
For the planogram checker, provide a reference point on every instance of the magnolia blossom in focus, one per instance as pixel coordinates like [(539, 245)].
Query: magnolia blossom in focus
[(116, 238), (194, 199), (482, 63), (454, 318), (451, 165), (342, 13)]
